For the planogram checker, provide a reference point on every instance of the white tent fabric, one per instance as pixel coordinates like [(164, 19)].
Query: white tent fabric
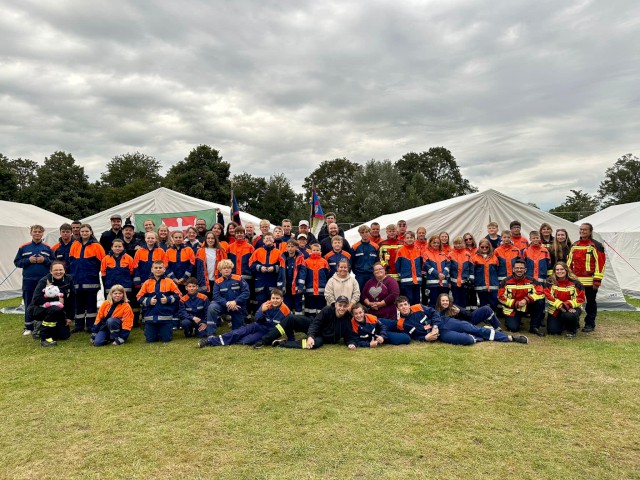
[(619, 227), (472, 213), (15, 222), (161, 200)]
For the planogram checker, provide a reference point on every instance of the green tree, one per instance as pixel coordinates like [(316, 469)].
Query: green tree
[(622, 182), (128, 176), (202, 174), (279, 199), (273, 199), (440, 170), (335, 183), (62, 187), (26, 172), (8, 180), (377, 191), (576, 206), (249, 192)]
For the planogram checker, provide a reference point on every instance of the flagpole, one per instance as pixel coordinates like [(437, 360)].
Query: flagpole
[(313, 188)]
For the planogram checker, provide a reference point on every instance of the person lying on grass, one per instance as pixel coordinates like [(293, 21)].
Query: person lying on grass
[(426, 325), (368, 331), (331, 324), (269, 316)]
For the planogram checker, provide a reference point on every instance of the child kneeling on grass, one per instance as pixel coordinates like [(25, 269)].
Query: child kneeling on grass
[(114, 320), (193, 311), (159, 299)]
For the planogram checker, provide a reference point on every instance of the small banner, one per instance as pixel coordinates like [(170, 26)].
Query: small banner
[(177, 221), (317, 215)]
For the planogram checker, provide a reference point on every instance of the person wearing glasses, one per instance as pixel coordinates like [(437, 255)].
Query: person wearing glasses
[(485, 274), (520, 295), (586, 259), (402, 229), (470, 243)]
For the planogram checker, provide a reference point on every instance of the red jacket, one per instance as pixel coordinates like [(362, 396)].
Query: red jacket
[(239, 253), (507, 254), (586, 259), (538, 262), (566, 293), (513, 289), (388, 253), (317, 274)]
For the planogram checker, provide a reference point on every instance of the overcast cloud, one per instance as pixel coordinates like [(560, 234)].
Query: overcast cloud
[(532, 98)]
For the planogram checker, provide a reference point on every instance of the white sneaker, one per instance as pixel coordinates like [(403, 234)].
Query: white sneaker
[(26, 333)]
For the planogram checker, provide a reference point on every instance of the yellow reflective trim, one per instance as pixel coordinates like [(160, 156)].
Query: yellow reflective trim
[(280, 329), (304, 343)]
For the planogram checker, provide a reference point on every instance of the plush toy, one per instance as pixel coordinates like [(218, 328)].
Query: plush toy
[(53, 294)]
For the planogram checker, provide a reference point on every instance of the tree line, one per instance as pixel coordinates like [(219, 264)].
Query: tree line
[(354, 191)]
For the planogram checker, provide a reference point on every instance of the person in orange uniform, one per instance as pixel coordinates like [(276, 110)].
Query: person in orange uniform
[(435, 266), (115, 318), (240, 253), (537, 258), (565, 295), (266, 263), (460, 271), (507, 253), (180, 261), (159, 299), (516, 236), (85, 259), (207, 260), (409, 268), (389, 250), (117, 268), (485, 274), (586, 259), (315, 281), (519, 295)]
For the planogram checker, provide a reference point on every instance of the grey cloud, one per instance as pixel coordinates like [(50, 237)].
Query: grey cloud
[(526, 88)]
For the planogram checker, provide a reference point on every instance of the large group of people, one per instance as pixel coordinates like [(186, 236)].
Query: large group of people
[(272, 283)]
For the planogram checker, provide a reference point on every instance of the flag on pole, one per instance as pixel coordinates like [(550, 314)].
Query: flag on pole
[(235, 211), (317, 215), (175, 221)]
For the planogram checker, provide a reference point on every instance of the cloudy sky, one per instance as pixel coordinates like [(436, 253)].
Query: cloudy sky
[(533, 98)]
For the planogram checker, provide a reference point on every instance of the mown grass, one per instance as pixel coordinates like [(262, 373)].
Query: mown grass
[(552, 409)]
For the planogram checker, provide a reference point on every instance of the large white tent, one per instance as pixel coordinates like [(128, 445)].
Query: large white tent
[(161, 200), (472, 213), (15, 222), (619, 227)]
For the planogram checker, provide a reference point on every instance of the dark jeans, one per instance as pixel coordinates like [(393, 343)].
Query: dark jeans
[(535, 309), (564, 321), (591, 307), (54, 325)]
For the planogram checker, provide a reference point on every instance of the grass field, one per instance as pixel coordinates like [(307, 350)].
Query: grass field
[(556, 409)]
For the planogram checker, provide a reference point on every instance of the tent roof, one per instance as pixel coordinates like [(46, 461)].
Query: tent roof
[(471, 213), (24, 215), (453, 215), (617, 218), (15, 221), (161, 200)]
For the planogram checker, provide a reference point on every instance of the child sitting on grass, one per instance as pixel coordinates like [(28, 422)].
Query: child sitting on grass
[(114, 320), (193, 310)]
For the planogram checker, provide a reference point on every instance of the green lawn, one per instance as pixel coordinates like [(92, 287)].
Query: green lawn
[(556, 408)]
